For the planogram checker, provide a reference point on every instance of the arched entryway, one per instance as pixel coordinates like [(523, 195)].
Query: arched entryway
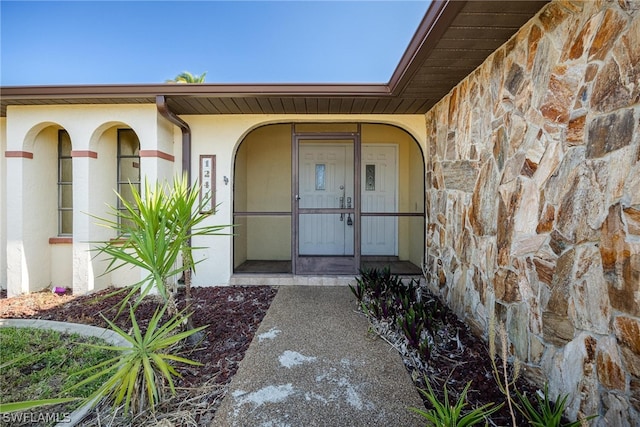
[(328, 199)]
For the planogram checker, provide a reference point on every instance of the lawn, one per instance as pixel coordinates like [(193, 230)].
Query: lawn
[(40, 364)]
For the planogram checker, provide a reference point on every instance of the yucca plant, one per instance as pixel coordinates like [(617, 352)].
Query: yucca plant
[(136, 377), (546, 413), (187, 213), (153, 231), (444, 414), (145, 238), (6, 408)]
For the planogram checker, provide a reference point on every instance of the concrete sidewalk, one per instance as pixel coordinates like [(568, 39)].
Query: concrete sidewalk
[(312, 363)]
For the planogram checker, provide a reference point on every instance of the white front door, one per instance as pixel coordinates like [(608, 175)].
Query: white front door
[(325, 182), (379, 188)]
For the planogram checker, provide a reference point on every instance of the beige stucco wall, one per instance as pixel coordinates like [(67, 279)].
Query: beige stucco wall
[(31, 200), (92, 129)]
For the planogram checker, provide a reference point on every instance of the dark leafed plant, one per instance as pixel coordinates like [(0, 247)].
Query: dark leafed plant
[(359, 290), (425, 350), (387, 310), (404, 302), (412, 327), (373, 308)]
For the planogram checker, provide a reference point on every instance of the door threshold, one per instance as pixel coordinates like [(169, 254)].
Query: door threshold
[(257, 279)]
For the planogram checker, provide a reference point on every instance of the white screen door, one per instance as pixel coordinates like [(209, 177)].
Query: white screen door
[(326, 202)]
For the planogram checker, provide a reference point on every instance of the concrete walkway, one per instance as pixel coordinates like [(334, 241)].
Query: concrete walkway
[(312, 363)]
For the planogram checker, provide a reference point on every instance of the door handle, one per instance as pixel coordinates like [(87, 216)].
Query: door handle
[(341, 207), (298, 197)]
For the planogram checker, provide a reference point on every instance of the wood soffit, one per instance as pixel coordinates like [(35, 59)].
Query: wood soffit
[(452, 40)]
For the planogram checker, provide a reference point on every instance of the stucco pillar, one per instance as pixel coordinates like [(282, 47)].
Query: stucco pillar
[(3, 205), (83, 272), (17, 271)]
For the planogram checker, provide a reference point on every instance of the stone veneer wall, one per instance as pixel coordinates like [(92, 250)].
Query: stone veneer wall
[(533, 202)]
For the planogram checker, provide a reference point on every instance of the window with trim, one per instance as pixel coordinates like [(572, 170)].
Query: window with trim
[(128, 166), (65, 184)]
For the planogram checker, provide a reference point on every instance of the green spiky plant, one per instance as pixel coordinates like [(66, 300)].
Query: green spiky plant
[(547, 413), (153, 230), (445, 414), (136, 376)]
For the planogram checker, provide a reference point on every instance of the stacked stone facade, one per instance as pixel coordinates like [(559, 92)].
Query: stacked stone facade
[(533, 202)]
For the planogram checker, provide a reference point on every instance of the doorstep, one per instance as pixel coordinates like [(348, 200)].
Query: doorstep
[(248, 279)]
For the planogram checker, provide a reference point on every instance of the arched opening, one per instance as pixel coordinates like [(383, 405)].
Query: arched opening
[(116, 168), (47, 208), (328, 198)]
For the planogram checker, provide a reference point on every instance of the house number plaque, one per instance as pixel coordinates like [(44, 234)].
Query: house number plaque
[(207, 183)]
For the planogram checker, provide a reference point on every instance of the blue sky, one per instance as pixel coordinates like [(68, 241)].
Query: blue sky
[(105, 42)]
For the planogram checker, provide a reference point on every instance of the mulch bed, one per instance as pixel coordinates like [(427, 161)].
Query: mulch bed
[(233, 314)]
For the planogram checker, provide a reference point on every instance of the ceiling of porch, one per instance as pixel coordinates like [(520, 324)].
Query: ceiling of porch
[(452, 40)]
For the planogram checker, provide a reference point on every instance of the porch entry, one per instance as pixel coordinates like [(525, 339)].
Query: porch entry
[(337, 179)]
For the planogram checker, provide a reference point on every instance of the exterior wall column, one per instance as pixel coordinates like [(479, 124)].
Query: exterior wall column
[(3, 204), (84, 276), (16, 260), (156, 165)]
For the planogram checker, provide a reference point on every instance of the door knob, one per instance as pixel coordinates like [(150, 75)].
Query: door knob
[(298, 197)]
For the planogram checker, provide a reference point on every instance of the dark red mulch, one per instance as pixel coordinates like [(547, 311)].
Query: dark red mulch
[(456, 365), (233, 314)]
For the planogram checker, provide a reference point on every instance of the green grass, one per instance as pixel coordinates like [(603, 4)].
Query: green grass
[(40, 363)]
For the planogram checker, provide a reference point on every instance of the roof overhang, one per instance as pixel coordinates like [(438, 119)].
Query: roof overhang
[(453, 38)]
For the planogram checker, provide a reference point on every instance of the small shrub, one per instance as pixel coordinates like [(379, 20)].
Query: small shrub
[(549, 413), (444, 414)]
